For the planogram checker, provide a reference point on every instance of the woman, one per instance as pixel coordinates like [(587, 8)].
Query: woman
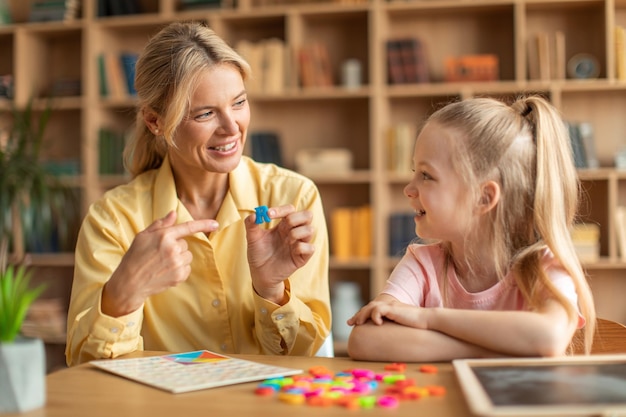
[(174, 260)]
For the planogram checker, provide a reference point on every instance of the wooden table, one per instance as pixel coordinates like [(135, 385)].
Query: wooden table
[(86, 391)]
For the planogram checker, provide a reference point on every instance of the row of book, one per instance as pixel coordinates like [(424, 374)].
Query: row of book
[(269, 60), (276, 67), (110, 150), (265, 147), (46, 320), (118, 7), (351, 232), (116, 73), (54, 10), (620, 52), (315, 68), (620, 224), (199, 4), (400, 142), (586, 240), (546, 56), (406, 61), (583, 144), (7, 86), (401, 232)]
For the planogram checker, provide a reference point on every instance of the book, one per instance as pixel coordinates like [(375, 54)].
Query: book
[(583, 144), (578, 147), (585, 130), (103, 86), (274, 70), (128, 60), (110, 152), (192, 371), (620, 53), (532, 58), (362, 230), (560, 62), (351, 232), (314, 65), (620, 225), (269, 61), (253, 53), (47, 10), (401, 232), (395, 66), (414, 64), (266, 147), (586, 240), (543, 54), (199, 4), (400, 142), (341, 233), (113, 75)]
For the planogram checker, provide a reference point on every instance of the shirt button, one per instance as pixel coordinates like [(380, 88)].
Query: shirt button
[(130, 324), (215, 303), (264, 311), (114, 330), (280, 316)]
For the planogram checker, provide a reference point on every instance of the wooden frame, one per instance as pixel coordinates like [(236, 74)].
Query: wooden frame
[(573, 385)]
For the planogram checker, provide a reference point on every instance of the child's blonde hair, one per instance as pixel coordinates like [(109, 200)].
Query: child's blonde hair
[(525, 148)]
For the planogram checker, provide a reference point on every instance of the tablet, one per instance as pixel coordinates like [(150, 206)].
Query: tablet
[(572, 386)]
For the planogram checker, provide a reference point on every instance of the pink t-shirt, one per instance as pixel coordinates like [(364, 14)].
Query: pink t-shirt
[(418, 280)]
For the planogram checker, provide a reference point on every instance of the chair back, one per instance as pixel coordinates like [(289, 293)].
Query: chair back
[(610, 337)]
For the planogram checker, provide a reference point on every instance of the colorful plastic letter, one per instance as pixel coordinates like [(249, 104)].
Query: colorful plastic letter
[(261, 215)]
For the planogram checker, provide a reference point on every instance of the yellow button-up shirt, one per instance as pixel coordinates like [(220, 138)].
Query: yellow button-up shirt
[(216, 308)]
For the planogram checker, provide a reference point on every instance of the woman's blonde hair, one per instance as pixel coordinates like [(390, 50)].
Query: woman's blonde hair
[(166, 74), (525, 148)]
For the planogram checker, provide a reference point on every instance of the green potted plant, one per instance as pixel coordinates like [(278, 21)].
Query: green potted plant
[(37, 211), (37, 214), (22, 359)]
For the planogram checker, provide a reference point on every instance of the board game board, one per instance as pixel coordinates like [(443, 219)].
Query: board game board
[(191, 371)]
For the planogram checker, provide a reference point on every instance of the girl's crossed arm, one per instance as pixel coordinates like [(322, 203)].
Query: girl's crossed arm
[(422, 334)]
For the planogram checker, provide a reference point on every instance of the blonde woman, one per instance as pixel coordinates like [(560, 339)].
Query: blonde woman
[(174, 260)]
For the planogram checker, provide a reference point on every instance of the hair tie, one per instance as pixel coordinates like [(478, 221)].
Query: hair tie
[(526, 111)]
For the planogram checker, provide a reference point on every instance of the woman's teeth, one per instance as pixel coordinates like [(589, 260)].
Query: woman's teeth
[(225, 147)]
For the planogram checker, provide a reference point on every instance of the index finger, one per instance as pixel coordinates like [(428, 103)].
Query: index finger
[(193, 227), (281, 211)]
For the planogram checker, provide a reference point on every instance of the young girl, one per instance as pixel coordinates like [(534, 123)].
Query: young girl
[(495, 190)]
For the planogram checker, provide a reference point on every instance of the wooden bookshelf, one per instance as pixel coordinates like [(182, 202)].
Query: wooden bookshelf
[(37, 54)]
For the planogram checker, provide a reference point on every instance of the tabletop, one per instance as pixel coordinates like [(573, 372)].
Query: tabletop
[(87, 391)]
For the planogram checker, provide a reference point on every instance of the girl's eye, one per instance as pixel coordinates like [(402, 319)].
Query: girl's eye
[(424, 175), (241, 102)]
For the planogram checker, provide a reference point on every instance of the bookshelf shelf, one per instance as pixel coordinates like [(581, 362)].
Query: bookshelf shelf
[(38, 54)]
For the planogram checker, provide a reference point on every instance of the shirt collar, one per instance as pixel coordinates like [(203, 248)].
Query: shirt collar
[(239, 202)]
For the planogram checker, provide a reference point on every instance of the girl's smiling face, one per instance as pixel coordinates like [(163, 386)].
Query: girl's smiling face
[(436, 192), (212, 136)]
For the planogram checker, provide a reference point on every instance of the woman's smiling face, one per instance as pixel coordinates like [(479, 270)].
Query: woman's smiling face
[(213, 134)]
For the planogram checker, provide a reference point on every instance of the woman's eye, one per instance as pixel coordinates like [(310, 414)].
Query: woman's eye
[(204, 115), (241, 102)]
